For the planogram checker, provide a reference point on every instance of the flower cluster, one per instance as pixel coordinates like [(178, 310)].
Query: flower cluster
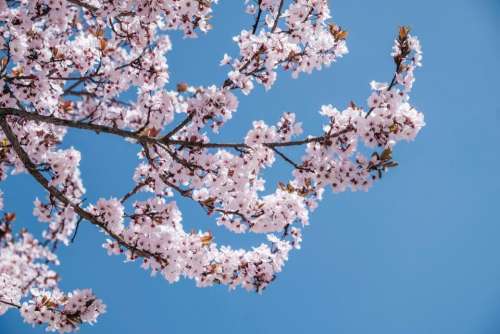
[(185, 15), (25, 275), (304, 41), (62, 222), (24, 263), (158, 237), (210, 105), (60, 312), (10, 293), (110, 212)]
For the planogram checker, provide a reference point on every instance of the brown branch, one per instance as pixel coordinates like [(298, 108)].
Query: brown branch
[(179, 127), (9, 303), (290, 161), (83, 5), (76, 229), (308, 14), (275, 24), (74, 124), (33, 77), (164, 140), (134, 191), (257, 19), (254, 57)]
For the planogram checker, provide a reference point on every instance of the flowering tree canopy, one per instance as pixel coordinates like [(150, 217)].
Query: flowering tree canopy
[(72, 63)]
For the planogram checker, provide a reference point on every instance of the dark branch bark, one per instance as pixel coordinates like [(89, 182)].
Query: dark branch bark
[(179, 127), (152, 140), (83, 5), (257, 19), (9, 303), (278, 15), (132, 192), (290, 161)]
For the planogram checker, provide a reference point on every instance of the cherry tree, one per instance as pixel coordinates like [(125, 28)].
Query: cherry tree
[(70, 64)]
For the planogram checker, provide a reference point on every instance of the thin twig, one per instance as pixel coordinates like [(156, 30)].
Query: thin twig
[(290, 161), (76, 229), (133, 191), (257, 19), (275, 24), (10, 304), (179, 127)]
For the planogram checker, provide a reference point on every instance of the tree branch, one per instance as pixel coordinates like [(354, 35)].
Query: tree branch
[(83, 5), (275, 24), (9, 303), (290, 161), (164, 140), (133, 191), (257, 19), (179, 127)]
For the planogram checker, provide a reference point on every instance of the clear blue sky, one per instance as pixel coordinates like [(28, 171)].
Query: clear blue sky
[(418, 254)]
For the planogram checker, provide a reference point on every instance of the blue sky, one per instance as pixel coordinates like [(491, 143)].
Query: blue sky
[(419, 253)]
